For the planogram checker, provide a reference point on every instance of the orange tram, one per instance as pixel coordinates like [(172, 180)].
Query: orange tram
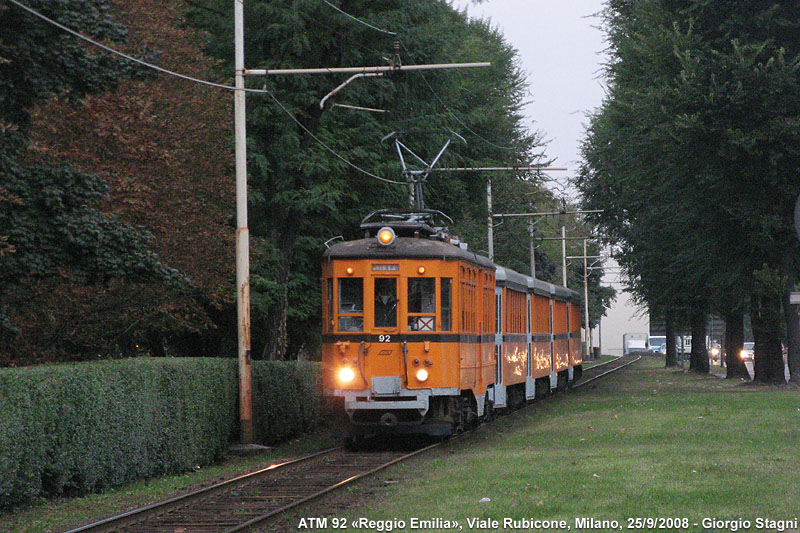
[(421, 335)]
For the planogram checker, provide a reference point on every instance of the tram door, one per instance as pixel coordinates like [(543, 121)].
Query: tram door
[(384, 358)]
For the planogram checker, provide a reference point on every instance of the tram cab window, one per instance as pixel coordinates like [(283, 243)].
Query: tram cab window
[(385, 302), (447, 309), (421, 301), (351, 304)]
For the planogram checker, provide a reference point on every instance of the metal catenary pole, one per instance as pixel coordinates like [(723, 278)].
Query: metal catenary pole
[(564, 254), (587, 331), (242, 236), (242, 231), (588, 328), (533, 249), (490, 222), (563, 237)]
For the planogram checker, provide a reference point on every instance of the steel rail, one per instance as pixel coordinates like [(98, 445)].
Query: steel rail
[(629, 363), (140, 513), (585, 369), (263, 518)]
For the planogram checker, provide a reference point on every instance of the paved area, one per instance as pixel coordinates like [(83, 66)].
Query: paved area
[(720, 370)]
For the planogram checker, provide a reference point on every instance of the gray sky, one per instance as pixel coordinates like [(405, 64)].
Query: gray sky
[(561, 50)]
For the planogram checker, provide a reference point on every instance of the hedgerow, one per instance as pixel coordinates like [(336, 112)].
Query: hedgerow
[(76, 428)]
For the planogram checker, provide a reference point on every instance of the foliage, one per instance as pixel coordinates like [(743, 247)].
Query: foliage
[(164, 149), (50, 223), (693, 155), (301, 194), (70, 429)]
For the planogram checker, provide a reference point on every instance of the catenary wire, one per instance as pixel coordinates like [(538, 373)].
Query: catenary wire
[(126, 56), (490, 143), (455, 117), (358, 19), (204, 82)]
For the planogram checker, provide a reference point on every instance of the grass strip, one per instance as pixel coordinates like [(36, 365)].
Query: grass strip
[(648, 442)]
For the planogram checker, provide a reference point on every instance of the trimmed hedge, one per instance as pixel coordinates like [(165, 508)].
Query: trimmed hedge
[(76, 428)]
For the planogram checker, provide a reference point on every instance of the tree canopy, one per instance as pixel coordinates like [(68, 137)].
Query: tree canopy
[(697, 145)]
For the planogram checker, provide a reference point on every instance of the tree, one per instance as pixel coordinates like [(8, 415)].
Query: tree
[(50, 224), (300, 194), (703, 97)]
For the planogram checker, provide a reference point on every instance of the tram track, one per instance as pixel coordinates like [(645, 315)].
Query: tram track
[(603, 369), (251, 500)]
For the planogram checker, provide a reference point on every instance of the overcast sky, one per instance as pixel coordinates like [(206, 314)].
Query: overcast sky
[(561, 50)]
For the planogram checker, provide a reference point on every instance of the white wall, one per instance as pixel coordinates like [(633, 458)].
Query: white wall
[(623, 316)]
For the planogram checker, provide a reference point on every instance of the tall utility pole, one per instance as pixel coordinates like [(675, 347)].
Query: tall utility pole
[(563, 237), (242, 232), (564, 254), (533, 249), (490, 222), (588, 328), (242, 235)]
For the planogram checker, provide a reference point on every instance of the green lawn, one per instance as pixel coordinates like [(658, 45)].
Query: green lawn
[(649, 442)]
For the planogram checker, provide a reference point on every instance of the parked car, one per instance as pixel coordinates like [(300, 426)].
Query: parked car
[(747, 351), (655, 343), (715, 352)]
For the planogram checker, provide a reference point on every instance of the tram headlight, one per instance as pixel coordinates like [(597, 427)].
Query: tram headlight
[(715, 351), (422, 374), (386, 236), (346, 375)]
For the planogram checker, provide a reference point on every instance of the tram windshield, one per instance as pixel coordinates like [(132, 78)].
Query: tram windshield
[(385, 302), (351, 302)]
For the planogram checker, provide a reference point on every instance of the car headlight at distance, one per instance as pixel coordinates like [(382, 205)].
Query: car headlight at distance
[(346, 375), (715, 351), (422, 374), (741, 354)]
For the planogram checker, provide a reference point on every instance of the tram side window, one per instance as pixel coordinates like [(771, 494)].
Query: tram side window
[(385, 302), (421, 301), (351, 303), (447, 309)]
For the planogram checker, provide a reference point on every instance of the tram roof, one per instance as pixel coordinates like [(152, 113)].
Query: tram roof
[(405, 248)]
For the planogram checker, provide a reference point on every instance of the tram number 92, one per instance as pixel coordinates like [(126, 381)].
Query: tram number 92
[(384, 338)]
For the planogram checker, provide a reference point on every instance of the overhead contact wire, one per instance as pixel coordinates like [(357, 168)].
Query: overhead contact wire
[(202, 82), (359, 20), (450, 111)]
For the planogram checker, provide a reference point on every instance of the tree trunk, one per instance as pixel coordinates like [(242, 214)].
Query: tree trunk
[(277, 337), (672, 352), (766, 319), (734, 339), (790, 316), (698, 361)]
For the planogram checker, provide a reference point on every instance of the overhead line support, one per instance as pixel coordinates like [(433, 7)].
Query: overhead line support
[(364, 70), (242, 230)]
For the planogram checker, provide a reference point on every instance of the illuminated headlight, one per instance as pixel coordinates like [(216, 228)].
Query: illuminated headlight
[(346, 375), (741, 354), (714, 351), (386, 236), (422, 374)]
